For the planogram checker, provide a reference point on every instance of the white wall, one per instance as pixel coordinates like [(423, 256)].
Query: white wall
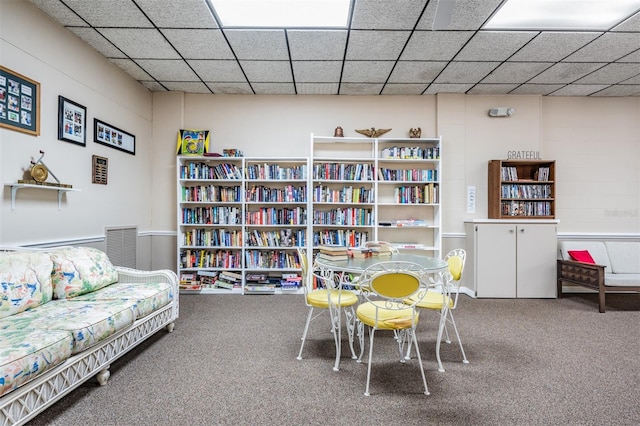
[(35, 46)]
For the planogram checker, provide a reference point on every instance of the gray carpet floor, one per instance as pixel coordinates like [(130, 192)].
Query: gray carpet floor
[(232, 361)]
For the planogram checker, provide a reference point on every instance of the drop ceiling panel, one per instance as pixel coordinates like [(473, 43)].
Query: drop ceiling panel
[(435, 45), (223, 71), (447, 88), (230, 88), (98, 42), (317, 71), (466, 14), (140, 43), (366, 71), (317, 45), (110, 13), (493, 45), (178, 14), (607, 48), (59, 12), (619, 90), (515, 72), (565, 73), (465, 72), (260, 44), (552, 46), (131, 68), (186, 86), (632, 24), (386, 15), (536, 89), (267, 71), (612, 72), (631, 57), (317, 88), (578, 90), (274, 89), (376, 45), (487, 89), (167, 69), (360, 89), (199, 44), (416, 72), (403, 89)]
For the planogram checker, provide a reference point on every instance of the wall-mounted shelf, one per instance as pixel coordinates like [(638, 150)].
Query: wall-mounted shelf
[(16, 186)]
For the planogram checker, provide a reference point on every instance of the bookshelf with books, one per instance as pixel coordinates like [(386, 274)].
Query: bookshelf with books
[(521, 189), (365, 189)]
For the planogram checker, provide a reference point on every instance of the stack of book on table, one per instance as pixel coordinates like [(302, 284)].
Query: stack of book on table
[(360, 252), (333, 252)]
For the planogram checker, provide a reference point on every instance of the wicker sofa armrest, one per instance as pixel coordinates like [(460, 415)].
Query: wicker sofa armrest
[(129, 275)]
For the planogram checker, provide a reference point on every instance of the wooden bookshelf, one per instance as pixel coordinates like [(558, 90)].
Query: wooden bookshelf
[(521, 189)]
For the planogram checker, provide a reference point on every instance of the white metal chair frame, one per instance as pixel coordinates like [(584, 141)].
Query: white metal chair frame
[(449, 288), (335, 304), (385, 287)]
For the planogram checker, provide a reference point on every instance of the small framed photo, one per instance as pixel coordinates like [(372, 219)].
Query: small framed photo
[(72, 121), (19, 102), (109, 135), (192, 142)]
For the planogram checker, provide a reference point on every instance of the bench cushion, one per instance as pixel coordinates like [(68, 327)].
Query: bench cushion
[(88, 322), (624, 256), (147, 297), (26, 354), (596, 249), (622, 280), (80, 270), (25, 281)]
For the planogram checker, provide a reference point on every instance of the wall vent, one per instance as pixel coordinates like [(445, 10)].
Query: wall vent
[(121, 245)]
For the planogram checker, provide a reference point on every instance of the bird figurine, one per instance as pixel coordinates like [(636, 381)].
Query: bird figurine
[(372, 132), (415, 133)]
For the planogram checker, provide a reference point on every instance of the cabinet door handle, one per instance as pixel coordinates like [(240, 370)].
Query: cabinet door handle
[(522, 230), (511, 231)]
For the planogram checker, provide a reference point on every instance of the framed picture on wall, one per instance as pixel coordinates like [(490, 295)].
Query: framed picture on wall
[(72, 122), (19, 102), (109, 135)]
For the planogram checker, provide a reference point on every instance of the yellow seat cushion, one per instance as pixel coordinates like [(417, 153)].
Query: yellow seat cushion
[(388, 319), (320, 298), (432, 300)]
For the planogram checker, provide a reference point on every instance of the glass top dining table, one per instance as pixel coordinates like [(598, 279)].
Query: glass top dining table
[(354, 266)]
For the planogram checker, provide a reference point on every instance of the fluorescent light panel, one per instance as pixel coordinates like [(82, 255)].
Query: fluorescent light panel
[(595, 15), (282, 13)]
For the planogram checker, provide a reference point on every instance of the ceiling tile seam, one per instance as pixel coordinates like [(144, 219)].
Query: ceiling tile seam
[(293, 76), (406, 43), (636, 12), (346, 44)]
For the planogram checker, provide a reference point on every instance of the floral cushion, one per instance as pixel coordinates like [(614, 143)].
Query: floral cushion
[(25, 281), (80, 270), (148, 297), (88, 322), (25, 354)]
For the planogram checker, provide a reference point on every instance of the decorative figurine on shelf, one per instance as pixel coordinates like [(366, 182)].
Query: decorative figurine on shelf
[(39, 172), (372, 132), (415, 133), (338, 132)]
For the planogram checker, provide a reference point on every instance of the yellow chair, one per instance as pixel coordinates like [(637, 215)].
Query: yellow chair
[(384, 287), (330, 298), (444, 299)]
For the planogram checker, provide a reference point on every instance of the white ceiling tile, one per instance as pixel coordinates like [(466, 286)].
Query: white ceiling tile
[(154, 86), (267, 71), (403, 89), (140, 43), (552, 46), (260, 44), (465, 72), (607, 48), (515, 72), (386, 15), (631, 24), (376, 45), (223, 70), (58, 11), (631, 57), (274, 89), (536, 89), (564, 73), (98, 42), (110, 13), (491, 89), (465, 15), (360, 89), (447, 88), (317, 71), (632, 80), (131, 68), (178, 14), (317, 44), (578, 90), (187, 87), (416, 72), (611, 73), (230, 88), (619, 90), (493, 45), (317, 88), (167, 69), (435, 45), (199, 44), (366, 71)]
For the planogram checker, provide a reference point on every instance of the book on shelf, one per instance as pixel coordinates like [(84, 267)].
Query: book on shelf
[(189, 282), (260, 289)]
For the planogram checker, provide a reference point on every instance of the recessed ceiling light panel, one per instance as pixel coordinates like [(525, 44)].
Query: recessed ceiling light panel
[(282, 13), (558, 15)]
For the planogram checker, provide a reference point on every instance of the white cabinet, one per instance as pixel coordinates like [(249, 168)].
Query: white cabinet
[(508, 259)]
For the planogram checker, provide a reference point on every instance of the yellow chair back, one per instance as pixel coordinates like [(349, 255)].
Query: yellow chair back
[(455, 267), (395, 285)]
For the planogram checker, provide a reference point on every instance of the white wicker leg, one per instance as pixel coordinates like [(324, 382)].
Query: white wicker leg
[(170, 327), (103, 375)]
